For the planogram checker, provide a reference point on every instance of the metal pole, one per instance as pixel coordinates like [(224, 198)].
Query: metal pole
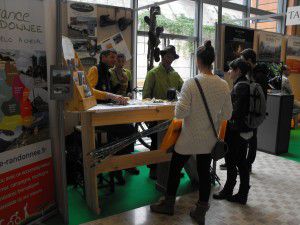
[(219, 39), (60, 164), (134, 5)]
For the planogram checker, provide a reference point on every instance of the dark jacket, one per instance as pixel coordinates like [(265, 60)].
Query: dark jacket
[(240, 96), (104, 83), (260, 76)]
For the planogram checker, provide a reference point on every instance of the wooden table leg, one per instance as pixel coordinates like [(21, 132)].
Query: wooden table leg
[(90, 177)]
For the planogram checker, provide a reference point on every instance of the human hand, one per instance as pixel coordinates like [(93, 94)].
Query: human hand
[(120, 100)]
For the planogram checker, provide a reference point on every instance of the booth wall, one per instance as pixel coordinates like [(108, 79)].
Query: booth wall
[(103, 33)]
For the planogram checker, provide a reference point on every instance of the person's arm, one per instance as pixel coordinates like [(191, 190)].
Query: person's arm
[(226, 110), (180, 82), (129, 74), (240, 105), (92, 79), (149, 85), (183, 105)]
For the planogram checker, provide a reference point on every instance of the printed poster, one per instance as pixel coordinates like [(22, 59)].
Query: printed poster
[(24, 113), (293, 54), (82, 20), (118, 43), (269, 48), (82, 30), (236, 40)]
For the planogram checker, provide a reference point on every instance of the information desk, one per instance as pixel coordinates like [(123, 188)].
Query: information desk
[(102, 115)]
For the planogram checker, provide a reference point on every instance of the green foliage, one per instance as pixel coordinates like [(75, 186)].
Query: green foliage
[(182, 25)]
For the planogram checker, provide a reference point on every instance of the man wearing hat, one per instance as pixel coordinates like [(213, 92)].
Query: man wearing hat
[(162, 78), (158, 81)]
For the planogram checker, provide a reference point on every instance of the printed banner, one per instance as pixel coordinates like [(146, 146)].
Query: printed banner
[(293, 54), (26, 183), (22, 25), (26, 176), (118, 43), (236, 40), (269, 49)]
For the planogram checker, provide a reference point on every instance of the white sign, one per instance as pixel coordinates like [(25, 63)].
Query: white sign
[(293, 16), (117, 43), (68, 49), (22, 25), (25, 156)]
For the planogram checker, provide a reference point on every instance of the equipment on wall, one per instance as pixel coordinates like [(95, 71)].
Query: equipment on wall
[(124, 22), (153, 35), (106, 21)]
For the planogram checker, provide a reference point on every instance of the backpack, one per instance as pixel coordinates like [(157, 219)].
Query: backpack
[(257, 105)]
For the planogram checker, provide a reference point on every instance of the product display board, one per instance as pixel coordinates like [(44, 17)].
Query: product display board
[(26, 171), (293, 54), (269, 47), (236, 40), (82, 29)]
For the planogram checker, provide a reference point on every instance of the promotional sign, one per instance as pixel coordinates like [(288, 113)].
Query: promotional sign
[(236, 40), (293, 16), (269, 49), (24, 114), (118, 43), (26, 183), (293, 54)]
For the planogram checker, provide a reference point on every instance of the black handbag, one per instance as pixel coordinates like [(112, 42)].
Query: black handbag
[(221, 148)]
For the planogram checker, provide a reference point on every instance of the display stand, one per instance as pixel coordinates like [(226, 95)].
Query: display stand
[(79, 102)]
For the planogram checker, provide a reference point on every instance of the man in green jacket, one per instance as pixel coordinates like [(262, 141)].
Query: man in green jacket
[(158, 81), (162, 78)]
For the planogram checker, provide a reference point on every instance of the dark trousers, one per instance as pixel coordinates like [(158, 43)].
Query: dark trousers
[(203, 168), (236, 161), (154, 144), (252, 148)]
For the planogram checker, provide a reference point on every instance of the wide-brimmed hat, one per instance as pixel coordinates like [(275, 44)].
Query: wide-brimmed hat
[(170, 49)]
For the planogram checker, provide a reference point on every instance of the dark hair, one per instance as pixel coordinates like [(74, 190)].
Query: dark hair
[(240, 64), (106, 53), (249, 54), (121, 55), (206, 53)]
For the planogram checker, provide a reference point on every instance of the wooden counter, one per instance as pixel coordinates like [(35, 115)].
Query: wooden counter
[(101, 115)]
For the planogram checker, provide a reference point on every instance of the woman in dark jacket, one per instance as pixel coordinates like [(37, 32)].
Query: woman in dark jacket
[(237, 135)]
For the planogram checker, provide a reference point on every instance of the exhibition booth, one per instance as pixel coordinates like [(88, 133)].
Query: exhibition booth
[(48, 52)]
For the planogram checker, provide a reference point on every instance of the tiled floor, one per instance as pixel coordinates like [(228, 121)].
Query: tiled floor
[(274, 199)]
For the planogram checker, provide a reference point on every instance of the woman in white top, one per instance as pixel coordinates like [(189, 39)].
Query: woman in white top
[(197, 136)]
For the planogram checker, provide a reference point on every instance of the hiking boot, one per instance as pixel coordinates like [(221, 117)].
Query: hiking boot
[(106, 21), (198, 214), (241, 197), (222, 195), (165, 206)]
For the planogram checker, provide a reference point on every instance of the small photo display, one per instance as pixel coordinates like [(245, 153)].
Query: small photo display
[(75, 78), (81, 78), (61, 83)]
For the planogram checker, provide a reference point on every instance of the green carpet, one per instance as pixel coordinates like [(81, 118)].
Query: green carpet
[(294, 147), (138, 191)]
